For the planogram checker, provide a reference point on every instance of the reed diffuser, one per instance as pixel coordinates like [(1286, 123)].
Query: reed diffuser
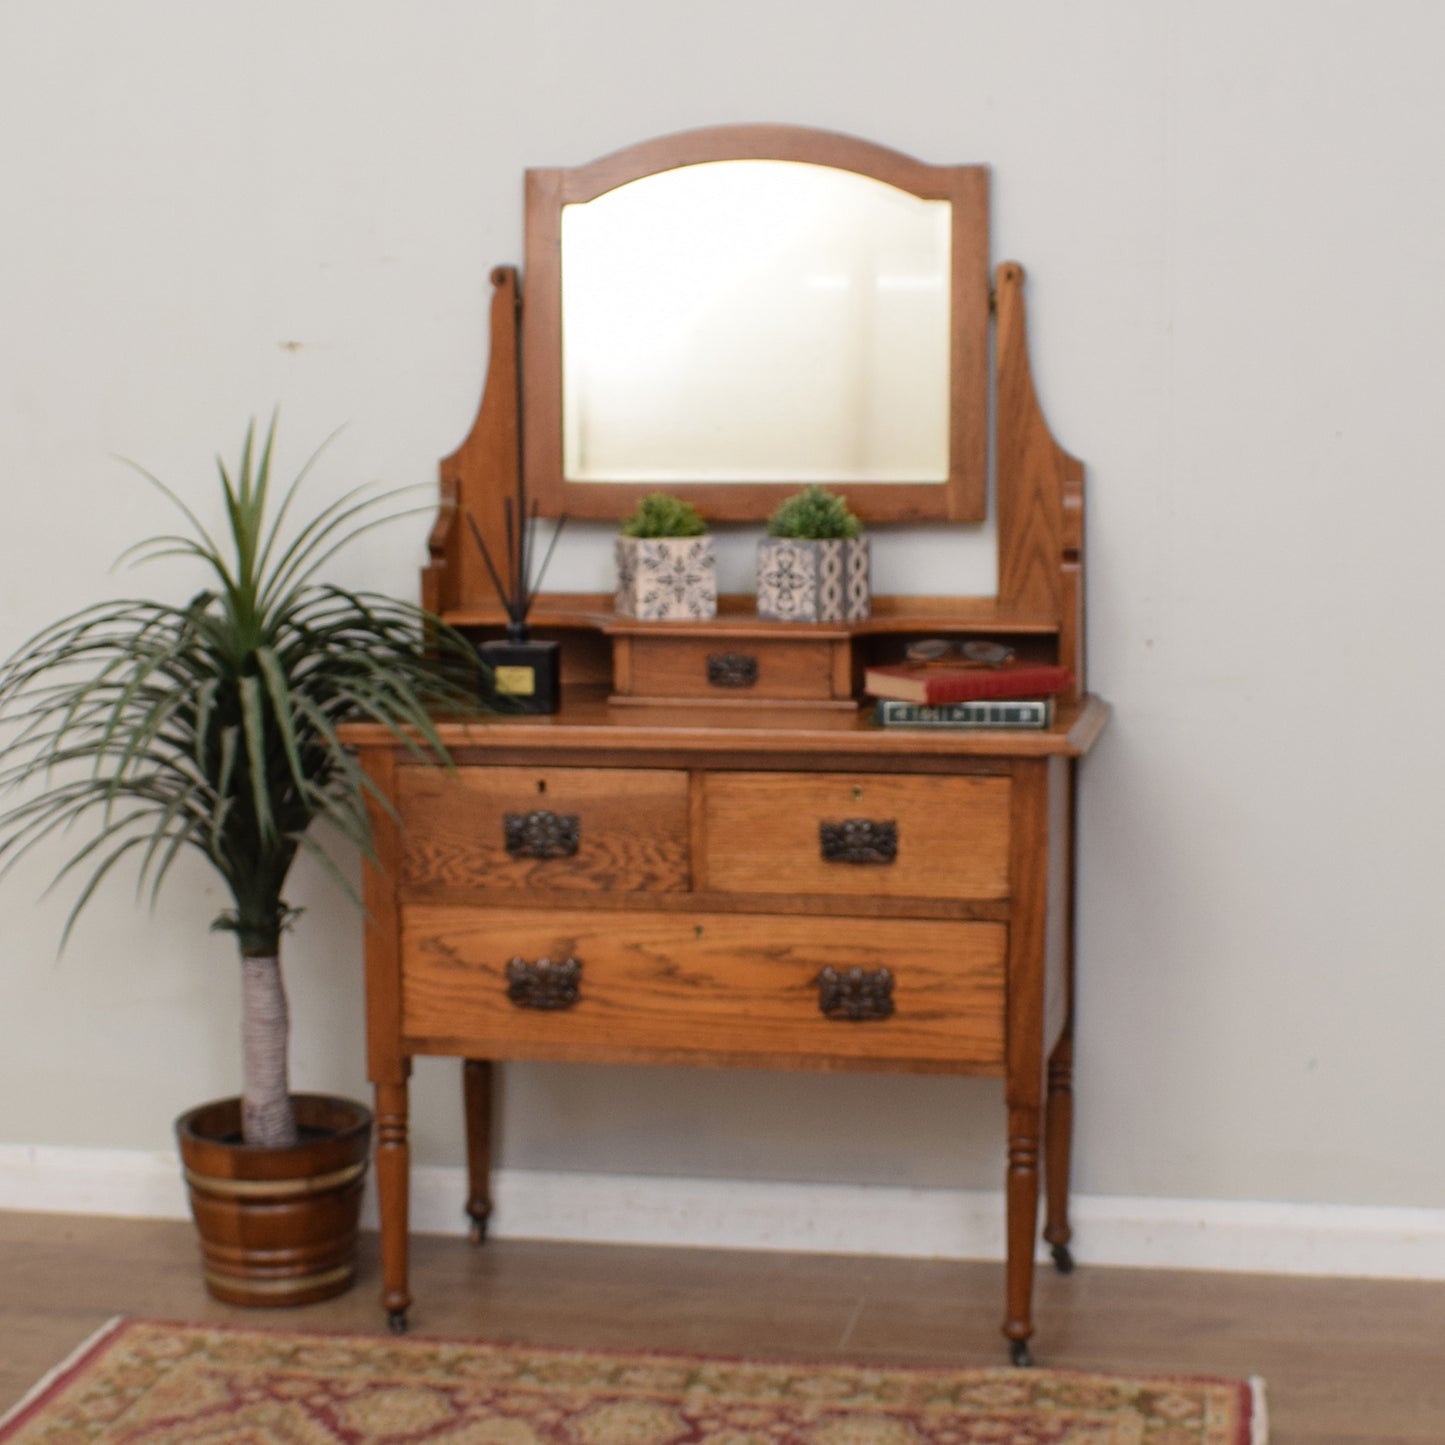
[(521, 673)]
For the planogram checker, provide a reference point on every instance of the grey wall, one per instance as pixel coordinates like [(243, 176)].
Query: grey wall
[(1230, 215)]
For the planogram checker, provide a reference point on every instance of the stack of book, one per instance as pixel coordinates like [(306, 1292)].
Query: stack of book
[(914, 694)]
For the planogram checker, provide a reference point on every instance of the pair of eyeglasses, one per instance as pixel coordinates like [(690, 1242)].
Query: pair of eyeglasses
[(971, 653)]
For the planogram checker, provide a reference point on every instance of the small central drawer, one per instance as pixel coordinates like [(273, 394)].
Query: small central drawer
[(884, 835), (720, 987), (572, 829), (725, 664)]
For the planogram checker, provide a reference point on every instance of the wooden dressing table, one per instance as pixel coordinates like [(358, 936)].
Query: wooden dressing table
[(667, 872)]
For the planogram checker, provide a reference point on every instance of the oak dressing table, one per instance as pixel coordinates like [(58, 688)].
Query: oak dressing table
[(673, 869)]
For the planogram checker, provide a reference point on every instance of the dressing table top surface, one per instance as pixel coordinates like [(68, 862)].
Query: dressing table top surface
[(587, 720)]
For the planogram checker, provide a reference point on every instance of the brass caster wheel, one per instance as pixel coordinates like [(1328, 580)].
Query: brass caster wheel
[(396, 1321), (1018, 1353), (1063, 1260)]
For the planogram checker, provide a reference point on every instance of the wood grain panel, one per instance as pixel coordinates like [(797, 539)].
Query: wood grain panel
[(632, 828), (801, 668), (763, 834), (728, 986), (385, 1061), (482, 471), (1040, 492)]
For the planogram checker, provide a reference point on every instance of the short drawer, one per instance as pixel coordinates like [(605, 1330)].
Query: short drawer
[(884, 835), (586, 829), (707, 987), (721, 668)]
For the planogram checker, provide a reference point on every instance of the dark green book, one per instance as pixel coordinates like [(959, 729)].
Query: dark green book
[(979, 713)]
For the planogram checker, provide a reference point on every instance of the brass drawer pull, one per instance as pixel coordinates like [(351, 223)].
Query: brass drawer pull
[(732, 669), (859, 840), (544, 984), (856, 994), (541, 834)]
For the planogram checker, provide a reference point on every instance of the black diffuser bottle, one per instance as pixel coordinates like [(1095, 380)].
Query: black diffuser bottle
[(520, 674)]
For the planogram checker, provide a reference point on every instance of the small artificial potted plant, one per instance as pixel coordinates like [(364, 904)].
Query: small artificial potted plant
[(813, 564), (155, 727), (666, 569)]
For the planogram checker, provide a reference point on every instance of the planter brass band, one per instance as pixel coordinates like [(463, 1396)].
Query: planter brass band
[(544, 984), (855, 994), (542, 834), (859, 840)]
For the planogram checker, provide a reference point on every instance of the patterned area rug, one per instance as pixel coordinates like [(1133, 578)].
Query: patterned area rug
[(144, 1383)]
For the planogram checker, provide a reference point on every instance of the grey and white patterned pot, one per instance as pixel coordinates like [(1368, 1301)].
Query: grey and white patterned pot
[(666, 579), (802, 580)]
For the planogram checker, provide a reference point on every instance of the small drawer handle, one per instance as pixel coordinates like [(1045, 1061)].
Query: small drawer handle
[(732, 669), (541, 834), (859, 840), (544, 984), (856, 994)]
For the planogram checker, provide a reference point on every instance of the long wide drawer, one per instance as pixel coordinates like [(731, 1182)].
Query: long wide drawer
[(720, 987), (571, 829), (883, 834)]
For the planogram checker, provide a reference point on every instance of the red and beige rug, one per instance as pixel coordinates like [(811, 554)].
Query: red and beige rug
[(144, 1383)]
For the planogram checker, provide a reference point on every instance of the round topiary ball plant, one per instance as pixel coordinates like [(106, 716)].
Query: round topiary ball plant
[(661, 515), (814, 514)]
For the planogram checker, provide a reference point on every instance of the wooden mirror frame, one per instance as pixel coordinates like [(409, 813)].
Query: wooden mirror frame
[(1039, 487), (962, 497)]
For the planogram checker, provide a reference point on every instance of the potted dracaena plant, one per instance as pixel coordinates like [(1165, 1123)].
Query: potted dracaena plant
[(211, 725), (813, 564), (666, 568)]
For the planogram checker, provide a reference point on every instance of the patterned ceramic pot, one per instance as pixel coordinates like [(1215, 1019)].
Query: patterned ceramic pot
[(813, 581), (666, 579)]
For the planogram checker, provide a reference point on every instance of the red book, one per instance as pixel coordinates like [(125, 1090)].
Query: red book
[(916, 682)]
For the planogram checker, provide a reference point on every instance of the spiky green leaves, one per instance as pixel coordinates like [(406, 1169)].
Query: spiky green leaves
[(213, 725)]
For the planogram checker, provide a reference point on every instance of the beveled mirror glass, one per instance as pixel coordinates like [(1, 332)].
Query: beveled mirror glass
[(732, 313), (755, 321)]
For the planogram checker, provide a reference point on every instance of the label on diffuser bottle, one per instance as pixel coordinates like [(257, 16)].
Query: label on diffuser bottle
[(515, 681)]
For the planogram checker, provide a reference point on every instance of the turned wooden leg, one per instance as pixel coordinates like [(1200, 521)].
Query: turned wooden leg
[(1058, 1148), (1023, 1219), (393, 1167), (1059, 1118), (477, 1100)]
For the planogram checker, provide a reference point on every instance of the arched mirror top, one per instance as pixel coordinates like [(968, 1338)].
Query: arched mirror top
[(734, 312)]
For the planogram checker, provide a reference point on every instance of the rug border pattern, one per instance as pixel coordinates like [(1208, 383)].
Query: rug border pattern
[(1250, 1392)]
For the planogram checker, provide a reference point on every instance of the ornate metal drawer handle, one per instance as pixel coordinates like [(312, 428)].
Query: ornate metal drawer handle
[(859, 840), (544, 984), (855, 994), (541, 834), (732, 669)]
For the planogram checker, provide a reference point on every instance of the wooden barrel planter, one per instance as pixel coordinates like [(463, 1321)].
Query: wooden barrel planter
[(277, 1226)]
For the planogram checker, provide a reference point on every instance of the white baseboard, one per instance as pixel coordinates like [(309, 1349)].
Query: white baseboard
[(1258, 1237)]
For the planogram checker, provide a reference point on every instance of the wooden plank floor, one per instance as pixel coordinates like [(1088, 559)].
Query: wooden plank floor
[(1347, 1362)]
